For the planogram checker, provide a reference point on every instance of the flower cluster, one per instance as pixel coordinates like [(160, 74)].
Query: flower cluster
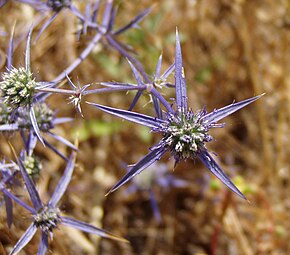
[(184, 134)]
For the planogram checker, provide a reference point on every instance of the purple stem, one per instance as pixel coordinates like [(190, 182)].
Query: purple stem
[(80, 59), (133, 60)]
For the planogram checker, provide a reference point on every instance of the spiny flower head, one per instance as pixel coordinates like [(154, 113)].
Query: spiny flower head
[(43, 114), (57, 5), (6, 114), (32, 165), (47, 219), (17, 87), (184, 132)]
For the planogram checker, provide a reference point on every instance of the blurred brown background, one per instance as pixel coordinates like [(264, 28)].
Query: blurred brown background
[(232, 50)]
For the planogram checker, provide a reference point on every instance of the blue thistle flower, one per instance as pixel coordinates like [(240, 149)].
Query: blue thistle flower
[(47, 217), (184, 132), (19, 120), (18, 86)]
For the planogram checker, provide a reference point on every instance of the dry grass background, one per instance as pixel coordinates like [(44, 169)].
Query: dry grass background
[(232, 50)]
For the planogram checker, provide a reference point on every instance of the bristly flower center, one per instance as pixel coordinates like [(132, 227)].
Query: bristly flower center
[(185, 134), (6, 114), (43, 114), (17, 87), (57, 5), (47, 219), (32, 165)]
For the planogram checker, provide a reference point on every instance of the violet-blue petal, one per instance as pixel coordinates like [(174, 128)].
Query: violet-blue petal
[(50, 146), (57, 121), (112, 19), (88, 228), (63, 182), (35, 125), (46, 24), (44, 84), (133, 22), (27, 236), (70, 82), (181, 95), (157, 108), (135, 100), (145, 162), (209, 162), (168, 71), (10, 50), (136, 74), (30, 143), (131, 116), (107, 14), (95, 10), (27, 51), (9, 210), (158, 67), (43, 245), (17, 200), (63, 140), (33, 193), (162, 100), (223, 112)]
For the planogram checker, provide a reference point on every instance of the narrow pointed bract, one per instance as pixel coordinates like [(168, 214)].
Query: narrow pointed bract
[(63, 183), (133, 22), (212, 166), (35, 125), (43, 245), (145, 162), (223, 112), (85, 227), (131, 116), (27, 51), (25, 239), (181, 95), (34, 196)]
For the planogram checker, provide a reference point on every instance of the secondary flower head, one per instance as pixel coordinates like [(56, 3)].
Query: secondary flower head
[(57, 5), (47, 217), (17, 87), (45, 117), (32, 165), (6, 116), (184, 132)]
